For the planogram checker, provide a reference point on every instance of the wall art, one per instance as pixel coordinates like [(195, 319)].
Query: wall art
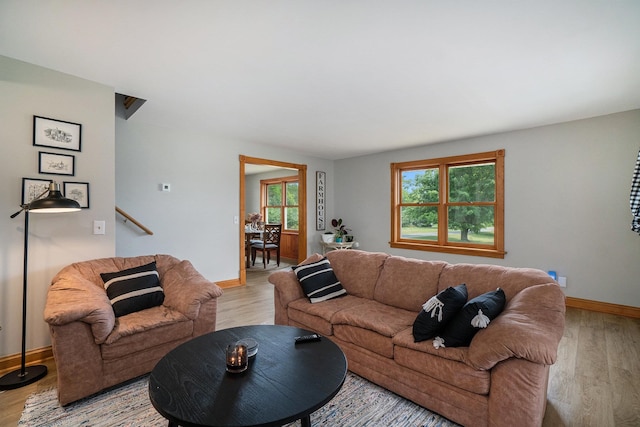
[(321, 178), (32, 188), (78, 191), (56, 164), (56, 133)]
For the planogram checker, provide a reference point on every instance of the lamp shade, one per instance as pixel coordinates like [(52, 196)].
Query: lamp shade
[(55, 202)]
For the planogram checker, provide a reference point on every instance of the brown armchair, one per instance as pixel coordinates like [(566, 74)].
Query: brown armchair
[(94, 350)]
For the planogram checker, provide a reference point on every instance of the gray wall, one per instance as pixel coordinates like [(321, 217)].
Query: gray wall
[(566, 202), (567, 195), (55, 239), (195, 220)]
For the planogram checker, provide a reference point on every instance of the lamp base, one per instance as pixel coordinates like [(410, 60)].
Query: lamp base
[(14, 379)]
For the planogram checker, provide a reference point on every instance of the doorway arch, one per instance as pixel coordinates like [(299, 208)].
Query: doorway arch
[(302, 196)]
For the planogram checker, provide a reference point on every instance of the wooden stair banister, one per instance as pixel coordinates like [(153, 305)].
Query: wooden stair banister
[(133, 220)]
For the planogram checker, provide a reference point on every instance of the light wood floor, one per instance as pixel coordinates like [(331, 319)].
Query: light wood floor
[(595, 382)]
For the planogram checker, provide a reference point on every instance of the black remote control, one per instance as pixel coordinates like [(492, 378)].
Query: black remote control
[(308, 338)]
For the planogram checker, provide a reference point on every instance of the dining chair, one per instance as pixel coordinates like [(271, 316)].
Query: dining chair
[(270, 242)]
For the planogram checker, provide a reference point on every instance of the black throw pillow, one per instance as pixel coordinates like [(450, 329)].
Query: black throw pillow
[(475, 315), (318, 281), (437, 312), (133, 289)]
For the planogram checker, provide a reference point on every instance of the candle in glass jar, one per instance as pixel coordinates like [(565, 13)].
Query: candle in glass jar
[(236, 358)]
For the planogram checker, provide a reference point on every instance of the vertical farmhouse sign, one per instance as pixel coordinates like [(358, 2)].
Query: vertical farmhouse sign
[(321, 178)]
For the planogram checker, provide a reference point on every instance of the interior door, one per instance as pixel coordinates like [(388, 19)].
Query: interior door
[(301, 238)]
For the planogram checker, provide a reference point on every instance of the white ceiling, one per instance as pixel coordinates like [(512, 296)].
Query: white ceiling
[(341, 78)]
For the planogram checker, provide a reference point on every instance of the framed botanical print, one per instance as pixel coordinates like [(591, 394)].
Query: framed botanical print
[(56, 164), (33, 188), (56, 133), (78, 191)]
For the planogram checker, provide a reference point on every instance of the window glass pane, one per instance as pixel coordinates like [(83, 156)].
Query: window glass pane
[(273, 216), (292, 194), (420, 186), (292, 218), (274, 195), (472, 224), (473, 183), (419, 222)]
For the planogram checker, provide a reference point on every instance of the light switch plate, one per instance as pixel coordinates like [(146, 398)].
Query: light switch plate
[(98, 227)]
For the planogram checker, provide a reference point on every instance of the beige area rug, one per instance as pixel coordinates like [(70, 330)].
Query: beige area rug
[(359, 403)]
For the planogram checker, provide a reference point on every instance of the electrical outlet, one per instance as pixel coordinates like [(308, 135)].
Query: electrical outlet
[(562, 281)]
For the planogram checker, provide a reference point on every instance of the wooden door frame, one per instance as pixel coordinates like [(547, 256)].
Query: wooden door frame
[(302, 210)]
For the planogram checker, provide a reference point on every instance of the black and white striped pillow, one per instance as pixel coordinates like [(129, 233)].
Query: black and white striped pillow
[(318, 281), (133, 289)]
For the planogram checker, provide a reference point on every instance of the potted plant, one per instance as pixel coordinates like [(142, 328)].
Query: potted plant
[(340, 230)]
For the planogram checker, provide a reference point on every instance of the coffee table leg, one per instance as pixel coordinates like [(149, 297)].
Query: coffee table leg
[(306, 421)]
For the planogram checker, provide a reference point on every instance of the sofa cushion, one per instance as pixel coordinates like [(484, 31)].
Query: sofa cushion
[(133, 289), (482, 278), (475, 315), (372, 325), (318, 281), (449, 365), (143, 321), (437, 312), (407, 283), (357, 270), (317, 317), (158, 325)]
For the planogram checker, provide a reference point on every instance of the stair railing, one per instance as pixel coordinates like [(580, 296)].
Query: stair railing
[(133, 220)]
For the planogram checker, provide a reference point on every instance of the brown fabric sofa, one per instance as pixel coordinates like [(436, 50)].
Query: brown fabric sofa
[(94, 350), (499, 380)]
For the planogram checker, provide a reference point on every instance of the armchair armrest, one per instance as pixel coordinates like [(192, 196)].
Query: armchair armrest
[(530, 328), (185, 289), (73, 298)]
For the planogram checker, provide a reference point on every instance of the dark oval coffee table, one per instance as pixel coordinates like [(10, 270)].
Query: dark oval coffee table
[(285, 381)]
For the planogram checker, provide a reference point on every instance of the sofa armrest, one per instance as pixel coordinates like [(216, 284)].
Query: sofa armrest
[(185, 289), (530, 328), (287, 287), (72, 298)]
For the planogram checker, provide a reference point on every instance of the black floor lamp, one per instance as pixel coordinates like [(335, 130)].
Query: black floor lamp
[(55, 202)]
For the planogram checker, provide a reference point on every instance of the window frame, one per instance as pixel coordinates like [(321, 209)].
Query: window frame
[(442, 245), (283, 181)]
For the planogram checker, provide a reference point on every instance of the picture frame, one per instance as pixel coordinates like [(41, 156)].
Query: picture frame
[(57, 133), (32, 188), (78, 191), (56, 164), (321, 188)]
